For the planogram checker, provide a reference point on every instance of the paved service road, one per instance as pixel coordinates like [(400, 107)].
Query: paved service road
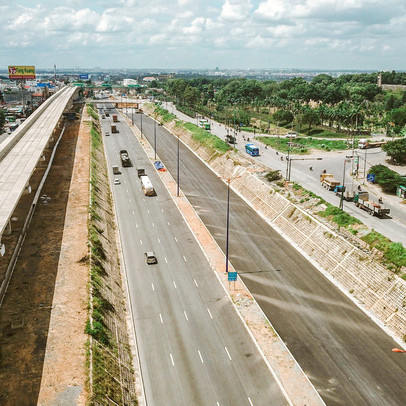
[(393, 228), (193, 347), (346, 356)]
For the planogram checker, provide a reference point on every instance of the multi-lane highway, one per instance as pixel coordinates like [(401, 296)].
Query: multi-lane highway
[(345, 354), (193, 347)]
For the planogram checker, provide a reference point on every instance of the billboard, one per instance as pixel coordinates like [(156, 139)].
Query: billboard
[(21, 72)]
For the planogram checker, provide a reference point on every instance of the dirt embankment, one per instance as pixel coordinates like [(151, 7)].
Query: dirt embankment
[(32, 298)]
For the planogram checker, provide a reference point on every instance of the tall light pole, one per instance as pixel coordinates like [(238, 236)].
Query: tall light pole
[(177, 190), (298, 159), (141, 124), (287, 162), (155, 138), (341, 206), (228, 221)]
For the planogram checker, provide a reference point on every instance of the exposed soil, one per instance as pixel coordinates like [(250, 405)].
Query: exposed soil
[(31, 305)]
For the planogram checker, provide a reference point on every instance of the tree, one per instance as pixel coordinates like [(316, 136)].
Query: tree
[(283, 116), (396, 150), (390, 103), (2, 120), (310, 117)]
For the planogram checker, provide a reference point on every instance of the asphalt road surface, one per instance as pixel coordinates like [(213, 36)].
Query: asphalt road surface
[(345, 354), (193, 347), (393, 226)]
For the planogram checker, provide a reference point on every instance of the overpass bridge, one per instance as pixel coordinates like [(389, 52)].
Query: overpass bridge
[(23, 150)]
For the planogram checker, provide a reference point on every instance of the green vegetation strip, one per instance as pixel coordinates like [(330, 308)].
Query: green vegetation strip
[(104, 352), (198, 134), (302, 145), (387, 179)]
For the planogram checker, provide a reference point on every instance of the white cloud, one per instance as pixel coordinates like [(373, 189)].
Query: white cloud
[(236, 31)]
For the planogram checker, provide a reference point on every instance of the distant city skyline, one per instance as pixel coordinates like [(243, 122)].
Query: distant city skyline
[(196, 34)]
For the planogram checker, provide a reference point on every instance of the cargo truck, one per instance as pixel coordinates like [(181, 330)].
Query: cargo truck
[(328, 181), (361, 199), (365, 144), (114, 129), (230, 139), (348, 195), (125, 158), (115, 119)]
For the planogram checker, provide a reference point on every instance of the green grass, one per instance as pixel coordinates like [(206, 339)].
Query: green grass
[(338, 216), (302, 145), (164, 114), (206, 138), (393, 252)]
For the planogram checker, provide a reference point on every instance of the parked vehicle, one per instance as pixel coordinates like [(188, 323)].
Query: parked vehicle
[(361, 199), (116, 171), (328, 181), (365, 144), (291, 134), (147, 186), (348, 195), (125, 158), (204, 124), (251, 149)]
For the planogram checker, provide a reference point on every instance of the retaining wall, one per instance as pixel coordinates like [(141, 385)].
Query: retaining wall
[(377, 289)]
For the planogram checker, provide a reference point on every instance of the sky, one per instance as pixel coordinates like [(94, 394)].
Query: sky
[(199, 34)]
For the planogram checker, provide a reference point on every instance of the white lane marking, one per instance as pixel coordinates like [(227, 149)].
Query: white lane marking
[(185, 315), (166, 260), (174, 284), (249, 400), (162, 210), (173, 364), (127, 190), (141, 242), (160, 316), (176, 239), (217, 404), (133, 212), (168, 223), (143, 199), (184, 258), (129, 200), (195, 283), (209, 313), (148, 211), (153, 225), (229, 356), (153, 287), (136, 225), (159, 240), (200, 356)]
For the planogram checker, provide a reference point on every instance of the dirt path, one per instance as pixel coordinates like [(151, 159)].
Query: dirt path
[(64, 377), (38, 302)]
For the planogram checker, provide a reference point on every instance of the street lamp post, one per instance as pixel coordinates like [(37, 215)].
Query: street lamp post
[(341, 206), (155, 138), (228, 221), (289, 163), (177, 190), (141, 124)]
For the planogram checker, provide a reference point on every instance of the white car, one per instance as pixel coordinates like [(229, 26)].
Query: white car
[(117, 181), (291, 135)]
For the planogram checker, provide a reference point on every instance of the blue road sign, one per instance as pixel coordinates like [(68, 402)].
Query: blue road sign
[(371, 177), (84, 77), (232, 276)]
